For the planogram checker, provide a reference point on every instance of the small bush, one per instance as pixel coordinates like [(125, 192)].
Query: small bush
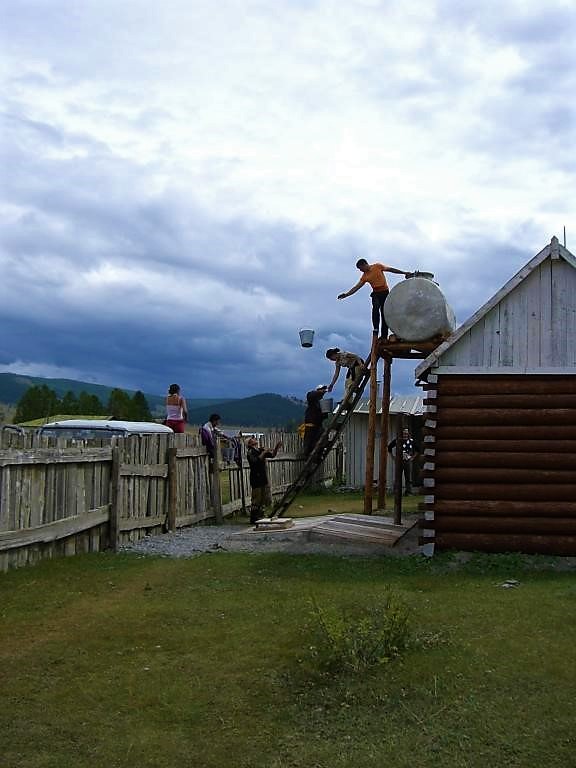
[(352, 641)]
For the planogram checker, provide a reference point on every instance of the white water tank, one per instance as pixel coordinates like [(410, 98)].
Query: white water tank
[(416, 309)]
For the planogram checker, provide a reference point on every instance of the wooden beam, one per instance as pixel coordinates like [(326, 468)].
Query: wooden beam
[(384, 420), (398, 474), (62, 456), (115, 499), (508, 416), (503, 385), (513, 525), (451, 446), (509, 432), (371, 440), (506, 475), (502, 459), (527, 543), (172, 458), (59, 529), (539, 400), (504, 507), (144, 470), (135, 523), (504, 491)]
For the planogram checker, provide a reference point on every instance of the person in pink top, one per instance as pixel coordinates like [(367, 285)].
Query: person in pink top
[(374, 275), (176, 409)]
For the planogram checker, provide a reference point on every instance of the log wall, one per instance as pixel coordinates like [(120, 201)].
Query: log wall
[(499, 469)]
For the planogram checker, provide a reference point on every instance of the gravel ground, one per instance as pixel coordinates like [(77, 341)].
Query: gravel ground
[(190, 542)]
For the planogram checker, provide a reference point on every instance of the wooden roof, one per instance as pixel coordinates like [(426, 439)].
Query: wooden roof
[(553, 251)]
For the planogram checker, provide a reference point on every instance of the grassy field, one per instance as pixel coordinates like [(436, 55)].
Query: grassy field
[(120, 660), (329, 502)]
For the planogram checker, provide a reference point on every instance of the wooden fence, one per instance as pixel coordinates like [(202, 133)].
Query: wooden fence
[(63, 497)]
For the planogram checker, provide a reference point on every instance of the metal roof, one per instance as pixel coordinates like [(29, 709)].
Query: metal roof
[(411, 405)]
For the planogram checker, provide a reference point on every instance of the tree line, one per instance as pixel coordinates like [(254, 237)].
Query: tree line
[(42, 402)]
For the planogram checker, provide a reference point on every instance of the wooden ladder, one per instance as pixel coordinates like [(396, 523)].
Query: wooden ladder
[(330, 434)]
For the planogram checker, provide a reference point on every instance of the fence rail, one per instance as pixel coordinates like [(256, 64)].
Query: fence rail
[(62, 497)]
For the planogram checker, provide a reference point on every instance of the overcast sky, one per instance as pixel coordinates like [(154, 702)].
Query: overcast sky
[(186, 184)]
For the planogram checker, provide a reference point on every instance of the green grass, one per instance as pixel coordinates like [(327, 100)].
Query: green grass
[(122, 660), (334, 502)]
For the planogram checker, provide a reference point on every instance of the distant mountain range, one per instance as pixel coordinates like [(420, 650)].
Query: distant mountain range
[(266, 410)]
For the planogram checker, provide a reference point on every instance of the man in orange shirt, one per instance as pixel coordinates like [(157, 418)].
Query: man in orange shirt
[(374, 275)]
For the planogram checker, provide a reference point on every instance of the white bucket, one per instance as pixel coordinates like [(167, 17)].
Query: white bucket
[(306, 337), (327, 404)]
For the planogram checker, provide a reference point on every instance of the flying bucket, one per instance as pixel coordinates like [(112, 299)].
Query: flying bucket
[(306, 337)]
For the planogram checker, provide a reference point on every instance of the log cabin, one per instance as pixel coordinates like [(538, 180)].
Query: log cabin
[(499, 472)]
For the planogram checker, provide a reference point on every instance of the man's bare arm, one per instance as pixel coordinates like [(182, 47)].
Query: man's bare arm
[(352, 290)]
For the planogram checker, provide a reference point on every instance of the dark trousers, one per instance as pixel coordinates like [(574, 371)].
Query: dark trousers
[(407, 472), (311, 437), (378, 299)]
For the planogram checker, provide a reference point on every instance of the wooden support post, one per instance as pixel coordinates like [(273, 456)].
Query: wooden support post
[(384, 420), (339, 462), (241, 479), (371, 441), (398, 475), (216, 491), (115, 498), (172, 489)]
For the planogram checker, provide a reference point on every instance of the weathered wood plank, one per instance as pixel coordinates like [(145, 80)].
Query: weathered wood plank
[(58, 529), (136, 523), (42, 456)]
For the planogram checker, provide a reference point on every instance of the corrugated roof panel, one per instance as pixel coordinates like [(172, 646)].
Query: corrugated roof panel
[(412, 405)]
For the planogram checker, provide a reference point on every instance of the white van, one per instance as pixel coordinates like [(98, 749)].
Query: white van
[(100, 429)]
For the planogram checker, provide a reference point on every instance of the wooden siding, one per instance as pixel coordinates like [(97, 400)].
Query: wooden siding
[(532, 327), (500, 468), (355, 437)]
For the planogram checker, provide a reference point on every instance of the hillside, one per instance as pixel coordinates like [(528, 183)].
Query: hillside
[(266, 410)]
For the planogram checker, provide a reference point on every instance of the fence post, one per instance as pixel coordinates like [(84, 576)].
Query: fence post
[(216, 491), (115, 498), (172, 488)]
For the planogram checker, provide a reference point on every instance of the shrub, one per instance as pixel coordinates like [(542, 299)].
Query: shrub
[(351, 641)]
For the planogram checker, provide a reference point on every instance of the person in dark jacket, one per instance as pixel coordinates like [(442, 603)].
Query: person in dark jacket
[(409, 453), (261, 495), (313, 417)]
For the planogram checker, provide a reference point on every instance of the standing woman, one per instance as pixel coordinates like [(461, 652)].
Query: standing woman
[(176, 409)]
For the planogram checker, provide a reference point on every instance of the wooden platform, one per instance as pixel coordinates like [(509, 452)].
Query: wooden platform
[(408, 350), (359, 529)]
